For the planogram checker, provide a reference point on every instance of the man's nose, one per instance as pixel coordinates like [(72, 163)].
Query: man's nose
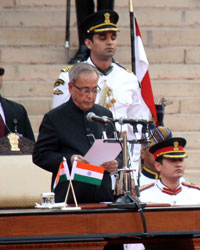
[(109, 40), (179, 162)]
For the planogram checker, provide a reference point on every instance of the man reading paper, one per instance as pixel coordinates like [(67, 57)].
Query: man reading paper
[(66, 132)]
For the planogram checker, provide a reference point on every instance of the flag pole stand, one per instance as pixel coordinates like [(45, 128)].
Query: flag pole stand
[(74, 196)]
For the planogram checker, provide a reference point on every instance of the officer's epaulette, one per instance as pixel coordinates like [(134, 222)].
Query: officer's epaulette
[(146, 186), (58, 82), (128, 70), (57, 92), (67, 68), (190, 185)]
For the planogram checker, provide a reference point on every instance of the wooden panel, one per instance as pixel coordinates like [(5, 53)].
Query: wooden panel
[(167, 228)]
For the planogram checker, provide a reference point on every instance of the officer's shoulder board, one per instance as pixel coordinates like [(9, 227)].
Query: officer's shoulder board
[(57, 92), (66, 69), (190, 185), (147, 186), (128, 70), (58, 82)]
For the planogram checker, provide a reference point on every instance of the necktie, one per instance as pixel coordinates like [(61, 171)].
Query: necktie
[(2, 127)]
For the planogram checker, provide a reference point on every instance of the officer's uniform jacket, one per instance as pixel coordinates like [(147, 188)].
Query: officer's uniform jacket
[(147, 176), (125, 91), (184, 194)]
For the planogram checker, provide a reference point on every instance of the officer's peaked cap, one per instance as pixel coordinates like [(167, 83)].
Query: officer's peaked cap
[(100, 21), (171, 148)]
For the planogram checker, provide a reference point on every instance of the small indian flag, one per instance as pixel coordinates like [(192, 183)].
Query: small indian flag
[(87, 173), (62, 174)]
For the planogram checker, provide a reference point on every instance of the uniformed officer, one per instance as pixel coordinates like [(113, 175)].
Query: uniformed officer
[(85, 8), (169, 162), (148, 173)]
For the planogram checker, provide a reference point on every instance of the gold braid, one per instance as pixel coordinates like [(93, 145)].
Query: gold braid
[(107, 92)]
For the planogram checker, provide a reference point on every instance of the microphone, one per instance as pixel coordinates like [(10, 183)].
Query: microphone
[(15, 122), (92, 117), (130, 121)]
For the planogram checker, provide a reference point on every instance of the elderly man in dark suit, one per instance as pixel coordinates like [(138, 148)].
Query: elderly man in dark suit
[(13, 116), (66, 132)]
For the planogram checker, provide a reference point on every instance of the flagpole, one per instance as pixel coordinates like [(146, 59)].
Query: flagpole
[(67, 193), (73, 193), (67, 29), (132, 20)]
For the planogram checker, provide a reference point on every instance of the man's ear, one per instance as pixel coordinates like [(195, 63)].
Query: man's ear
[(70, 85), (88, 43), (142, 153), (157, 166)]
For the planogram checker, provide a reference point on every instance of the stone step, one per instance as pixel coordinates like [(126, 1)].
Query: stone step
[(31, 36), (162, 55), (192, 137), (183, 122), (35, 105), (182, 105), (162, 88), (53, 55), (188, 124), (192, 175), (55, 17), (35, 122), (150, 17), (167, 88), (35, 72), (24, 89), (27, 72), (33, 55), (192, 162), (152, 37), (166, 4), (175, 71), (34, 17), (137, 3), (31, 3)]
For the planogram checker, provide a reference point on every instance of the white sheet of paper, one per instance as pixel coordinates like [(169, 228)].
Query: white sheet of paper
[(101, 152)]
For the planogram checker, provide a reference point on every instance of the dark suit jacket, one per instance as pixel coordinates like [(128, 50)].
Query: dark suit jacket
[(13, 110), (63, 132)]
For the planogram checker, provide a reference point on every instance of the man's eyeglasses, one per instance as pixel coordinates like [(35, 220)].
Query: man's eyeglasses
[(87, 91)]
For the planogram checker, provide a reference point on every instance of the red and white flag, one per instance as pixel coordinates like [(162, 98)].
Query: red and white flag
[(142, 73)]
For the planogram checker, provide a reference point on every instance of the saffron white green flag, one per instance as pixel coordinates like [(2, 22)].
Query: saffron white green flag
[(62, 174), (87, 173)]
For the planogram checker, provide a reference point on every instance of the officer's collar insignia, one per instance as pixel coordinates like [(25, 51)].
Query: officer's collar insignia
[(106, 71), (171, 191), (107, 18)]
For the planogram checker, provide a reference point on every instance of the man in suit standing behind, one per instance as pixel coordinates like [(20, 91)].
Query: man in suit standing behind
[(13, 116)]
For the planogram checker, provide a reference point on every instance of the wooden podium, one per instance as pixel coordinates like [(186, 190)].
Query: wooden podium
[(167, 228)]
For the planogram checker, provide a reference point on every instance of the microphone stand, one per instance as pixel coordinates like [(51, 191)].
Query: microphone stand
[(127, 198), (104, 135)]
